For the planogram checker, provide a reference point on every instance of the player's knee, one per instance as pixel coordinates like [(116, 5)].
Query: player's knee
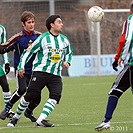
[(116, 93), (56, 97), (33, 95), (5, 88), (21, 92)]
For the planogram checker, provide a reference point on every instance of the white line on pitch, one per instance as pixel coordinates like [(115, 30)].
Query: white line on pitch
[(73, 124)]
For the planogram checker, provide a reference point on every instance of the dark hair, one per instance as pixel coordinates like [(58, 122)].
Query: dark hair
[(26, 15), (51, 19), (131, 6)]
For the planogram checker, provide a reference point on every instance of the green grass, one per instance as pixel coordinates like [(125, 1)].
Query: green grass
[(81, 108)]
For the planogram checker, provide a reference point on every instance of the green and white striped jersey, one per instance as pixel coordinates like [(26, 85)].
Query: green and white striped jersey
[(50, 51), (128, 46), (3, 40)]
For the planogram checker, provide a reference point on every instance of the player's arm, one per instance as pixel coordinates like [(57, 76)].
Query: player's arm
[(120, 46), (68, 55), (5, 56), (8, 45)]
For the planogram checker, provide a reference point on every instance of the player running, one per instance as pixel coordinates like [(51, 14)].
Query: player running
[(121, 84), (52, 50)]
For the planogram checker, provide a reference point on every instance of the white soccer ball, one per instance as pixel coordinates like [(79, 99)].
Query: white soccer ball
[(96, 14)]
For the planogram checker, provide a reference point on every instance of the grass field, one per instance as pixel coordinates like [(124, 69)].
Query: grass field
[(81, 108)]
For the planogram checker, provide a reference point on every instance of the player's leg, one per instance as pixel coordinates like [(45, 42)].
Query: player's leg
[(55, 88), (21, 89), (5, 89), (121, 84), (131, 77), (5, 92), (33, 91), (32, 105), (5, 86)]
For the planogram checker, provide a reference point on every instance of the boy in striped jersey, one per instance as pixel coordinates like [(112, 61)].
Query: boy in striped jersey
[(3, 80), (52, 50)]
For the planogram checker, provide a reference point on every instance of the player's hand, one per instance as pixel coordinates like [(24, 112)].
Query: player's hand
[(21, 73), (120, 61), (115, 65), (2, 49), (7, 68), (66, 64)]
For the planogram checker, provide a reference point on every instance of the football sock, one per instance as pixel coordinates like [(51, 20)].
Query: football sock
[(21, 107), (6, 96), (28, 111), (13, 99), (112, 102), (8, 106), (47, 109)]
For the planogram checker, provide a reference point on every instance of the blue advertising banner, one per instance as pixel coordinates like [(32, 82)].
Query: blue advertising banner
[(86, 65)]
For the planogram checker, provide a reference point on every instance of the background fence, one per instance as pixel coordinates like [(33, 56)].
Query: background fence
[(73, 13)]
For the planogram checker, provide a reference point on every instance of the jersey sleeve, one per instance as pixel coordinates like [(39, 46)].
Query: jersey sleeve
[(69, 52), (128, 38), (121, 41), (5, 56)]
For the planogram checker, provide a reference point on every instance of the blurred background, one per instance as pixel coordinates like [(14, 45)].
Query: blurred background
[(81, 32)]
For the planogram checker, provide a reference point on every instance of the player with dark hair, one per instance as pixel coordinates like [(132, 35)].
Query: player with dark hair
[(52, 50), (19, 42), (122, 82)]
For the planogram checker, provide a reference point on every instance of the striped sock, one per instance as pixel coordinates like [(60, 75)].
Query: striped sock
[(21, 107), (6, 96), (47, 109)]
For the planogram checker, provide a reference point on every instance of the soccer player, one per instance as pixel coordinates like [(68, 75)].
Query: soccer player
[(122, 82), (19, 42), (52, 49), (128, 47), (3, 80)]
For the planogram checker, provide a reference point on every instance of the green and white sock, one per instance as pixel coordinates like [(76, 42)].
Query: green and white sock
[(47, 109), (6, 96), (21, 107)]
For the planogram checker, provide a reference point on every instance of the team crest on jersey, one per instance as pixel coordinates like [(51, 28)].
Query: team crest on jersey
[(55, 58), (29, 45)]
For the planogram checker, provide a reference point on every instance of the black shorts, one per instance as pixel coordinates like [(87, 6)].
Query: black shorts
[(22, 83), (122, 82), (41, 79)]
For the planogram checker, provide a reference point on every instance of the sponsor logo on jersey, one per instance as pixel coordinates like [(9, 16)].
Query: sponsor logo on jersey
[(56, 50), (55, 58)]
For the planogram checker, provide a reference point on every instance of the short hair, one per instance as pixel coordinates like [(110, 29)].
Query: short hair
[(51, 19), (26, 15), (131, 6)]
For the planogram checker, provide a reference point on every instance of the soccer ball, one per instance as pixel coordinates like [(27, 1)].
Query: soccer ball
[(96, 14)]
